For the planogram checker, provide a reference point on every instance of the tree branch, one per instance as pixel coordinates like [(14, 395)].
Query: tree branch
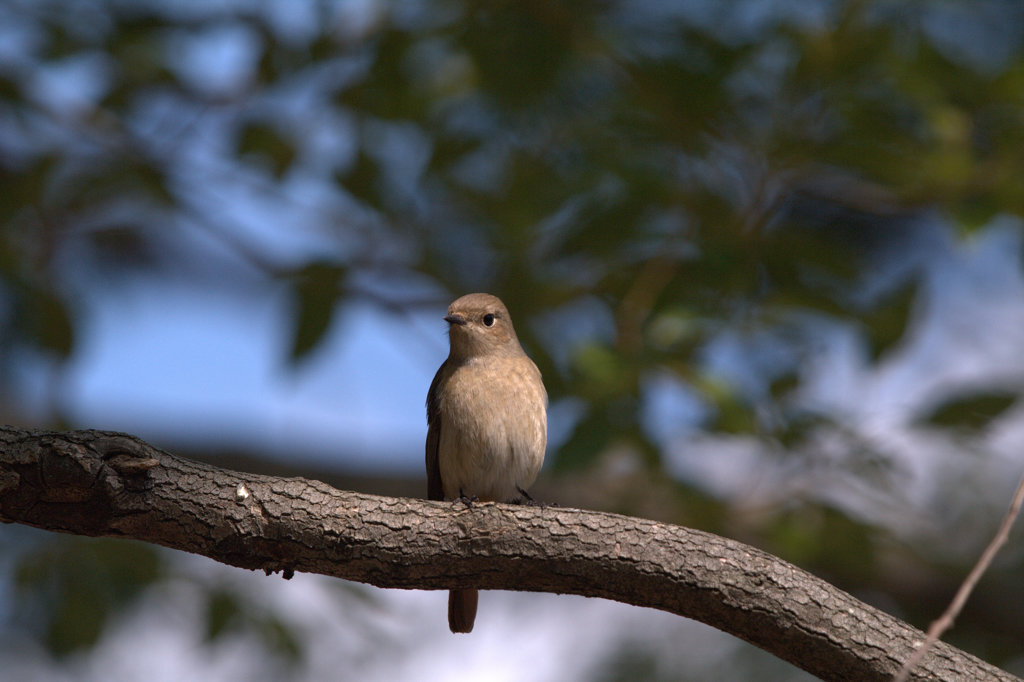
[(945, 621), (101, 483)]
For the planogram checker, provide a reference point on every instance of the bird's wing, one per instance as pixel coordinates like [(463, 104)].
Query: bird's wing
[(435, 489)]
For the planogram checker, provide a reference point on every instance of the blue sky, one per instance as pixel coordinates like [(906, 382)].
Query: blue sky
[(185, 366)]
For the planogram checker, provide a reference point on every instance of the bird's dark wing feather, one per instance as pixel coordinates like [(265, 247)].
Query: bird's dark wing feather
[(435, 490)]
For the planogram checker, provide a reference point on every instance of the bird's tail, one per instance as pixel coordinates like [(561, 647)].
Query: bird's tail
[(462, 610)]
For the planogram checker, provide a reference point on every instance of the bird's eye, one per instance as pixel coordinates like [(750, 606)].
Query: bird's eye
[(488, 320)]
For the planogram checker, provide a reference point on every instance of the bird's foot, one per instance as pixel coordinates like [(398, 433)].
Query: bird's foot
[(468, 501)]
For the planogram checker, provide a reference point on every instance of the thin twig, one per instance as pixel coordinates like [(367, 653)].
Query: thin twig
[(937, 628)]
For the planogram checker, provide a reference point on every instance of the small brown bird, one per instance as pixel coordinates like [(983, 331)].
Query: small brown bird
[(487, 419)]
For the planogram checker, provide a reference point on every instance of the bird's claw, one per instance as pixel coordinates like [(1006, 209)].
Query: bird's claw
[(468, 501)]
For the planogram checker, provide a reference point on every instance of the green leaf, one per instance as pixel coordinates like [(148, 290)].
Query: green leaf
[(318, 288), (823, 537), (228, 612), (263, 142), (78, 585), (152, 182), (363, 181), (887, 323), (588, 441), (598, 368), (55, 329), (972, 412), (10, 91), (44, 321), (27, 187), (733, 414), (222, 610), (280, 637), (517, 50)]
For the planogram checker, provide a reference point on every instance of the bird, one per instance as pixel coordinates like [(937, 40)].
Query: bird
[(486, 420)]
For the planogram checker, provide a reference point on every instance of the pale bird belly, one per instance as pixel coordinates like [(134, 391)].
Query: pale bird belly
[(491, 461)]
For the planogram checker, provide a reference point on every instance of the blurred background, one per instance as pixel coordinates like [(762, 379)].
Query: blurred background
[(767, 255)]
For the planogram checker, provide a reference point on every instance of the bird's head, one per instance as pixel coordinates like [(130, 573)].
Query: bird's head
[(479, 324)]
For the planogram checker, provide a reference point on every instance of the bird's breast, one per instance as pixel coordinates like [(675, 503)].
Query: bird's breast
[(493, 428)]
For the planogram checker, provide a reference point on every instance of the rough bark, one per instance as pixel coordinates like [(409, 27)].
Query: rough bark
[(101, 483)]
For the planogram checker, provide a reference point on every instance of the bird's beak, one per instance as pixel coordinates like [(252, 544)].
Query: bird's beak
[(455, 318)]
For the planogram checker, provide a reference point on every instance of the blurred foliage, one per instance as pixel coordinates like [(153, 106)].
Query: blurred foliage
[(973, 411), (317, 287), (639, 660), (230, 612), (634, 179), (692, 169), (67, 590)]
